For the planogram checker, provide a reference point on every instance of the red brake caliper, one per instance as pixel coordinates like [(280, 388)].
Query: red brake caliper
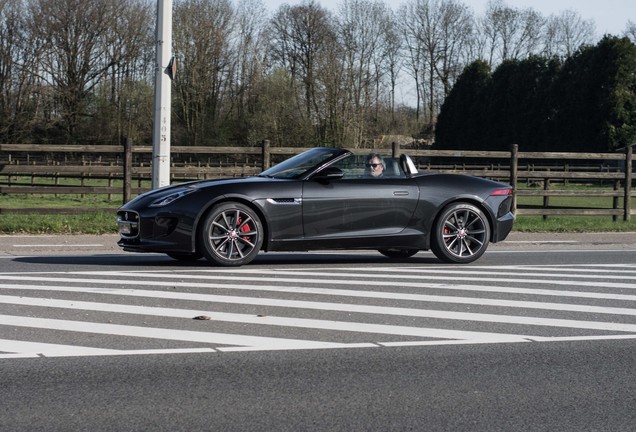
[(245, 228)]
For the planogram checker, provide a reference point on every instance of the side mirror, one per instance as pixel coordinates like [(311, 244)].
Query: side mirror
[(328, 174)]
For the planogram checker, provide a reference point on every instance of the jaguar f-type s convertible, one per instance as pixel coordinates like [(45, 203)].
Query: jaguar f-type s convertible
[(324, 198)]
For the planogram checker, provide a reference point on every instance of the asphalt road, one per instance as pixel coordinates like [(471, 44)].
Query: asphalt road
[(538, 335)]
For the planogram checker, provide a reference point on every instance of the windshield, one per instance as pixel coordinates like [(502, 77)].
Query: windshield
[(301, 163)]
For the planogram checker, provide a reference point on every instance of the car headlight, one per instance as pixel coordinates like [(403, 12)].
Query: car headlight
[(164, 201)]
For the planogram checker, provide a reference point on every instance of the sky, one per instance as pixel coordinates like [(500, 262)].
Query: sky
[(610, 16)]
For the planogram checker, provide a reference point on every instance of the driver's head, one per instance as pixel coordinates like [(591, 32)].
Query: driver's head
[(375, 164)]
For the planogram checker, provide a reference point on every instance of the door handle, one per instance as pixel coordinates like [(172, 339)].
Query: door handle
[(400, 193)]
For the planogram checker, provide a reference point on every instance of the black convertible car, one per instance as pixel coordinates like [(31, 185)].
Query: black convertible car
[(324, 198)]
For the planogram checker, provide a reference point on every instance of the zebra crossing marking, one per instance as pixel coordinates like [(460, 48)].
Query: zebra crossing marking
[(343, 277)]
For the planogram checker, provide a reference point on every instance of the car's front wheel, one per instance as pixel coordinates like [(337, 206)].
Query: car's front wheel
[(461, 234), (232, 235)]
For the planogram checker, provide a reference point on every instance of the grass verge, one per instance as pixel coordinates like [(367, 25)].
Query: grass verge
[(105, 223), (84, 223)]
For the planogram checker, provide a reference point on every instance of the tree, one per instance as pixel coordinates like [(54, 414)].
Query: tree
[(300, 37), (72, 38), (463, 119), (362, 31), (511, 33), (566, 32), (597, 97), (521, 103), (202, 34), (249, 57), (17, 83), (630, 31), (436, 34)]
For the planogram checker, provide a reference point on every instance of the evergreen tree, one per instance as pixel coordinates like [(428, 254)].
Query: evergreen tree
[(597, 98), (460, 124)]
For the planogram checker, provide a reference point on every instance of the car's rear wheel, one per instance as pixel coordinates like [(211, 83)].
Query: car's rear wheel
[(185, 257), (398, 253), (461, 233), (232, 235)]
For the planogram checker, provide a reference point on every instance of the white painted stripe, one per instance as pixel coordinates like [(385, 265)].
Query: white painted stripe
[(320, 291), (26, 236), (353, 345), (363, 279), (158, 333), (264, 320), (345, 293), (336, 307), (49, 350), (600, 271), (533, 339), (413, 273), (72, 353), (57, 245), (560, 251), (250, 349), (13, 356), (540, 241)]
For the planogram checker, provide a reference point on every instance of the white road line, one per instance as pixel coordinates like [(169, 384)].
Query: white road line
[(319, 291), (531, 339), (412, 273), (561, 251), (363, 279), (347, 326), (613, 268), (354, 308), (49, 350), (161, 333), (26, 236), (345, 293), (57, 245), (540, 241)]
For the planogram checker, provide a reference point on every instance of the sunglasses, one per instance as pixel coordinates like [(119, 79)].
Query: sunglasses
[(374, 166)]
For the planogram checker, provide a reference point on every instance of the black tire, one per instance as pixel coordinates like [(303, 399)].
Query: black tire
[(461, 234), (232, 235), (398, 253), (184, 256)]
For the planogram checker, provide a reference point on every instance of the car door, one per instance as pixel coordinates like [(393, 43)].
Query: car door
[(357, 207)]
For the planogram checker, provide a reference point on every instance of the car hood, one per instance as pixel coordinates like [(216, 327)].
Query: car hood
[(160, 193)]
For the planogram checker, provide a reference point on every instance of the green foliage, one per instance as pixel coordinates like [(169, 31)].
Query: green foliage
[(83, 223), (464, 105), (572, 224), (586, 103)]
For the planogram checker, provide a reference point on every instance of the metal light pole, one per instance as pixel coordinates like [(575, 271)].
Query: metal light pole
[(161, 128)]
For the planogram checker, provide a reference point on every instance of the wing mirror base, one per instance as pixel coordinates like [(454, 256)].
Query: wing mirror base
[(328, 174)]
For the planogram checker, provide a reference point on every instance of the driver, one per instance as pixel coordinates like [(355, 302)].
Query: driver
[(375, 165)]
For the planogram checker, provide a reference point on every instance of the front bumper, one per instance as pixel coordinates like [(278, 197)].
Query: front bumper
[(155, 232)]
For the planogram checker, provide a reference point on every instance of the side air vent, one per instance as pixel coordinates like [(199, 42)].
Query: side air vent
[(284, 201)]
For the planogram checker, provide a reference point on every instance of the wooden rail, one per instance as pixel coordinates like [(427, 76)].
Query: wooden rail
[(127, 163)]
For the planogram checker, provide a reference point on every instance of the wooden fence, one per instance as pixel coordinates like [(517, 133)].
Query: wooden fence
[(127, 164)]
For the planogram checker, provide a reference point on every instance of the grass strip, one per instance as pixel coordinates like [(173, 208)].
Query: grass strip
[(105, 222)]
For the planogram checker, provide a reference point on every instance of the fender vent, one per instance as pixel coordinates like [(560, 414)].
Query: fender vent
[(285, 201)]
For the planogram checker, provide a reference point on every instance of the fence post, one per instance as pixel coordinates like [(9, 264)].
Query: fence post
[(127, 169), (615, 203), (395, 150), (628, 183), (265, 155), (546, 198), (514, 164)]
